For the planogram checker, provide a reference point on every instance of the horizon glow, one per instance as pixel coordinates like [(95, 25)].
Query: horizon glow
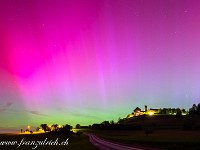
[(88, 61)]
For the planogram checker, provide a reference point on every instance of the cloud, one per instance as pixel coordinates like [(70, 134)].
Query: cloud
[(6, 106), (2, 109), (35, 113), (84, 115)]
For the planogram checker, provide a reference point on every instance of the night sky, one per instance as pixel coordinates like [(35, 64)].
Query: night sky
[(86, 61)]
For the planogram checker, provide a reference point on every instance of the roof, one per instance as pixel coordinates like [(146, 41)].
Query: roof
[(153, 109)]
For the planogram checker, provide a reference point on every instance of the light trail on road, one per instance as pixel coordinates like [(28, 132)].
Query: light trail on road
[(105, 145)]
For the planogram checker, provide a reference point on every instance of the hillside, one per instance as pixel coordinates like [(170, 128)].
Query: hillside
[(165, 121)]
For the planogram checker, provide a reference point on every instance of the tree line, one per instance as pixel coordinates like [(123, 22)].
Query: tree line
[(192, 122)]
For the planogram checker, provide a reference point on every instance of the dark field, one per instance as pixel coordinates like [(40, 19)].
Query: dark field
[(161, 139), (74, 143)]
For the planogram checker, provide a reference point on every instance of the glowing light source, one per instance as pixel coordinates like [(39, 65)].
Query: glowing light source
[(150, 113)]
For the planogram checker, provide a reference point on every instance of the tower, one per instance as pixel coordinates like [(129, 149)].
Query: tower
[(145, 108)]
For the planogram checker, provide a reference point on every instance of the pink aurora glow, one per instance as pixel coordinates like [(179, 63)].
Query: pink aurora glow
[(79, 58)]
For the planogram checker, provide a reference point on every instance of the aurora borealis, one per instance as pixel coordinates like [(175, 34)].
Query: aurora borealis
[(86, 61)]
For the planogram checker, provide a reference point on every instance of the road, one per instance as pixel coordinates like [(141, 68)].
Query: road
[(105, 145)]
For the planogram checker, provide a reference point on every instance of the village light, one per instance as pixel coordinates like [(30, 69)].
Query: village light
[(150, 113)]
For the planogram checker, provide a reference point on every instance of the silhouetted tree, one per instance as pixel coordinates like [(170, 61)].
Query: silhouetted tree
[(96, 126), (198, 108), (193, 110), (78, 126), (66, 129), (45, 127), (112, 122), (163, 111), (192, 121), (105, 124), (169, 111), (183, 111), (178, 112), (194, 107), (173, 110), (121, 121), (54, 127)]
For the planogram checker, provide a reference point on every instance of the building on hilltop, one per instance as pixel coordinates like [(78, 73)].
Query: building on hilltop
[(152, 111), (137, 112)]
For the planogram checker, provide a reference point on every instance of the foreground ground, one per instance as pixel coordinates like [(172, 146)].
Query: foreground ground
[(107, 145), (160, 139), (74, 142)]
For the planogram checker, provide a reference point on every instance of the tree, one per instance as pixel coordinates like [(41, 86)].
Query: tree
[(173, 110), (164, 111), (105, 123), (112, 122), (45, 127), (198, 109), (194, 107), (95, 126), (54, 127), (169, 111), (66, 129), (178, 112), (183, 111), (119, 120), (193, 110), (78, 126)]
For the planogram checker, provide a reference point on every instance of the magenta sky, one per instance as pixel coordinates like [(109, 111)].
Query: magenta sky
[(85, 61)]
